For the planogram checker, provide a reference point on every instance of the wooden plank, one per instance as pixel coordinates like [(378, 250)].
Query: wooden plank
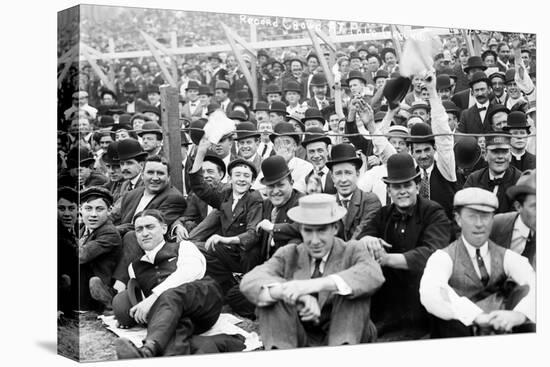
[(111, 73), (159, 46), (70, 59), (171, 128), (97, 69), (174, 62), (322, 60), (253, 66), (159, 60), (229, 32), (396, 42), (468, 40), (326, 39)]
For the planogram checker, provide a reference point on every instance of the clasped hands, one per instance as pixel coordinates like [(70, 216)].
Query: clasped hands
[(298, 293), (501, 320), (376, 248)]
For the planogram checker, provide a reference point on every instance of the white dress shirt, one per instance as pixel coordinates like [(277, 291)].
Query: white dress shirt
[(520, 234), (144, 201), (191, 266), (484, 112), (442, 301)]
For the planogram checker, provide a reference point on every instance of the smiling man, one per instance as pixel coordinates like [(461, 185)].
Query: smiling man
[(474, 120), (316, 143), (317, 292), (519, 129), (248, 140)]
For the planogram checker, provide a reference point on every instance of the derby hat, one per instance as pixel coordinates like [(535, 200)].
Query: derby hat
[(278, 107), (450, 107), (151, 109), (400, 169), (246, 130), (443, 81), (221, 84), (196, 130), (139, 116), (475, 62), (354, 55), (212, 107), (317, 209), (130, 149), (517, 120), (356, 74), (274, 61), (118, 127), (419, 132), (381, 74), (80, 156), (242, 162), (476, 198), (124, 301), (204, 89), (262, 106), (295, 59), (292, 86), (237, 115), (192, 84), (243, 95), (284, 129), (313, 113), (151, 127), (395, 89), (342, 153), (510, 76), (105, 91), (152, 88), (497, 108), (526, 184), (124, 119), (387, 50), (111, 155), (312, 54), (130, 87), (106, 121), (479, 76), (296, 116), (467, 152), (274, 169), (273, 88), (315, 134), (318, 80), (215, 56), (67, 193), (450, 72), (209, 157), (96, 192)]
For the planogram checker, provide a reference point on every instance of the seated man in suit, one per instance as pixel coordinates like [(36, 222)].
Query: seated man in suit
[(401, 237), (517, 230), (466, 283), (229, 249), (317, 292), (179, 301), (474, 120), (99, 248), (67, 250), (316, 143)]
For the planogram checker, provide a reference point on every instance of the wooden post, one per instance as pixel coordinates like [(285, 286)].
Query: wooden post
[(111, 73), (159, 60), (395, 39), (322, 60), (69, 58), (468, 42), (171, 130), (253, 66), (174, 63)]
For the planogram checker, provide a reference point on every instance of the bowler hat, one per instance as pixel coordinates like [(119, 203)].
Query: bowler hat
[(221, 84), (111, 155), (212, 107), (342, 153), (475, 62), (196, 131), (450, 107), (215, 56), (450, 72), (479, 76), (313, 113), (318, 80), (314, 134), (243, 95), (124, 119), (517, 120), (243, 106), (317, 209), (262, 106), (296, 116), (106, 121), (387, 50), (312, 54), (130, 149), (476, 198), (284, 129), (192, 84), (292, 86), (274, 61), (356, 74), (295, 59), (467, 152), (246, 130), (526, 184), (262, 52), (273, 88), (68, 193), (278, 107), (496, 108), (395, 89), (400, 169), (80, 156), (419, 132), (237, 115), (204, 89), (130, 87), (139, 116), (239, 162), (152, 88), (209, 157), (151, 127), (381, 74), (274, 169), (497, 142), (354, 55), (96, 192), (443, 81), (105, 91), (124, 301), (151, 109), (509, 76)]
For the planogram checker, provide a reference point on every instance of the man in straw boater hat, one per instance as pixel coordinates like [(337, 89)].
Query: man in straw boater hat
[(401, 237), (316, 292), (467, 285), (517, 230)]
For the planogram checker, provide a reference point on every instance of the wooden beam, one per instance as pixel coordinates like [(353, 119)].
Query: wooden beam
[(468, 40), (253, 66), (67, 56), (97, 69), (322, 60), (69, 60), (171, 127), (326, 39), (111, 73), (159, 60), (239, 40), (396, 41)]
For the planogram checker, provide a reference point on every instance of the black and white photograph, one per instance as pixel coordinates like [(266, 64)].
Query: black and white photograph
[(244, 183)]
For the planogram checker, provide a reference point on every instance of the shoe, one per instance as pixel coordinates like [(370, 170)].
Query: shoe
[(100, 292), (125, 349)]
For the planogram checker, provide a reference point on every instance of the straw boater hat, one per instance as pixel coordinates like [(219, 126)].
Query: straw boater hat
[(317, 209)]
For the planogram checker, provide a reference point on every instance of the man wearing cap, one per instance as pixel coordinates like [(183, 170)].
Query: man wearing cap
[(225, 150), (67, 250), (499, 174), (215, 72), (151, 138), (316, 292), (497, 85), (421, 109), (465, 285), (232, 246), (474, 120), (193, 109), (519, 130), (248, 140), (316, 144), (80, 172), (99, 248), (401, 237), (517, 230), (221, 93)]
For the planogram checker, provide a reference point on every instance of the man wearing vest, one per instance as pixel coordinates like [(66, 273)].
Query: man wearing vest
[(466, 285), (178, 303), (317, 292)]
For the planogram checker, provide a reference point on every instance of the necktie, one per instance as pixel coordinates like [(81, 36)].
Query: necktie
[(270, 242), (482, 268), (320, 175), (345, 203), (482, 109), (317, 269), (130, 186), (530, 248), (82, 240), (264, 150), (425, 185)]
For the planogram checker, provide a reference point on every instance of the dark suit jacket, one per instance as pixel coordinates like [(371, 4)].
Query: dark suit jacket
[(186, 112), (360, 143), (527, 161), (503, 227), (470, 122), (462, 99), (461, 78), (361, 209), (292, 262), (100, 253), (169, 201), (329, 184), (480, 179)]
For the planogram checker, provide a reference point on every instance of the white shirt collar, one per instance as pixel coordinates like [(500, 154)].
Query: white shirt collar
[(237, 197), (518, 156), (428, 170), (521, 227), (151, 254), (484, 249), (486, 104), (135, 180), (321, 266), (492, 177), (251, 159)]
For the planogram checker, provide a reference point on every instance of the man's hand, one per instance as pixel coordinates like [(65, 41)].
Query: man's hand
[(505, 320), (308, 308), (482, 319), (212, 241), (140, 311), (265, 225), (373, 160), (181, 232), (119, 286), (293, 289), (203, 146), (375, 246)]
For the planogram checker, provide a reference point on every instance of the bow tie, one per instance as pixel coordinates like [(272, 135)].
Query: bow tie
[(496, 181), (482, 108)]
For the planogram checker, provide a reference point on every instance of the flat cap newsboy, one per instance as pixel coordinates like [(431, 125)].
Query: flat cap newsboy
[(96, 192), (476, 198)]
